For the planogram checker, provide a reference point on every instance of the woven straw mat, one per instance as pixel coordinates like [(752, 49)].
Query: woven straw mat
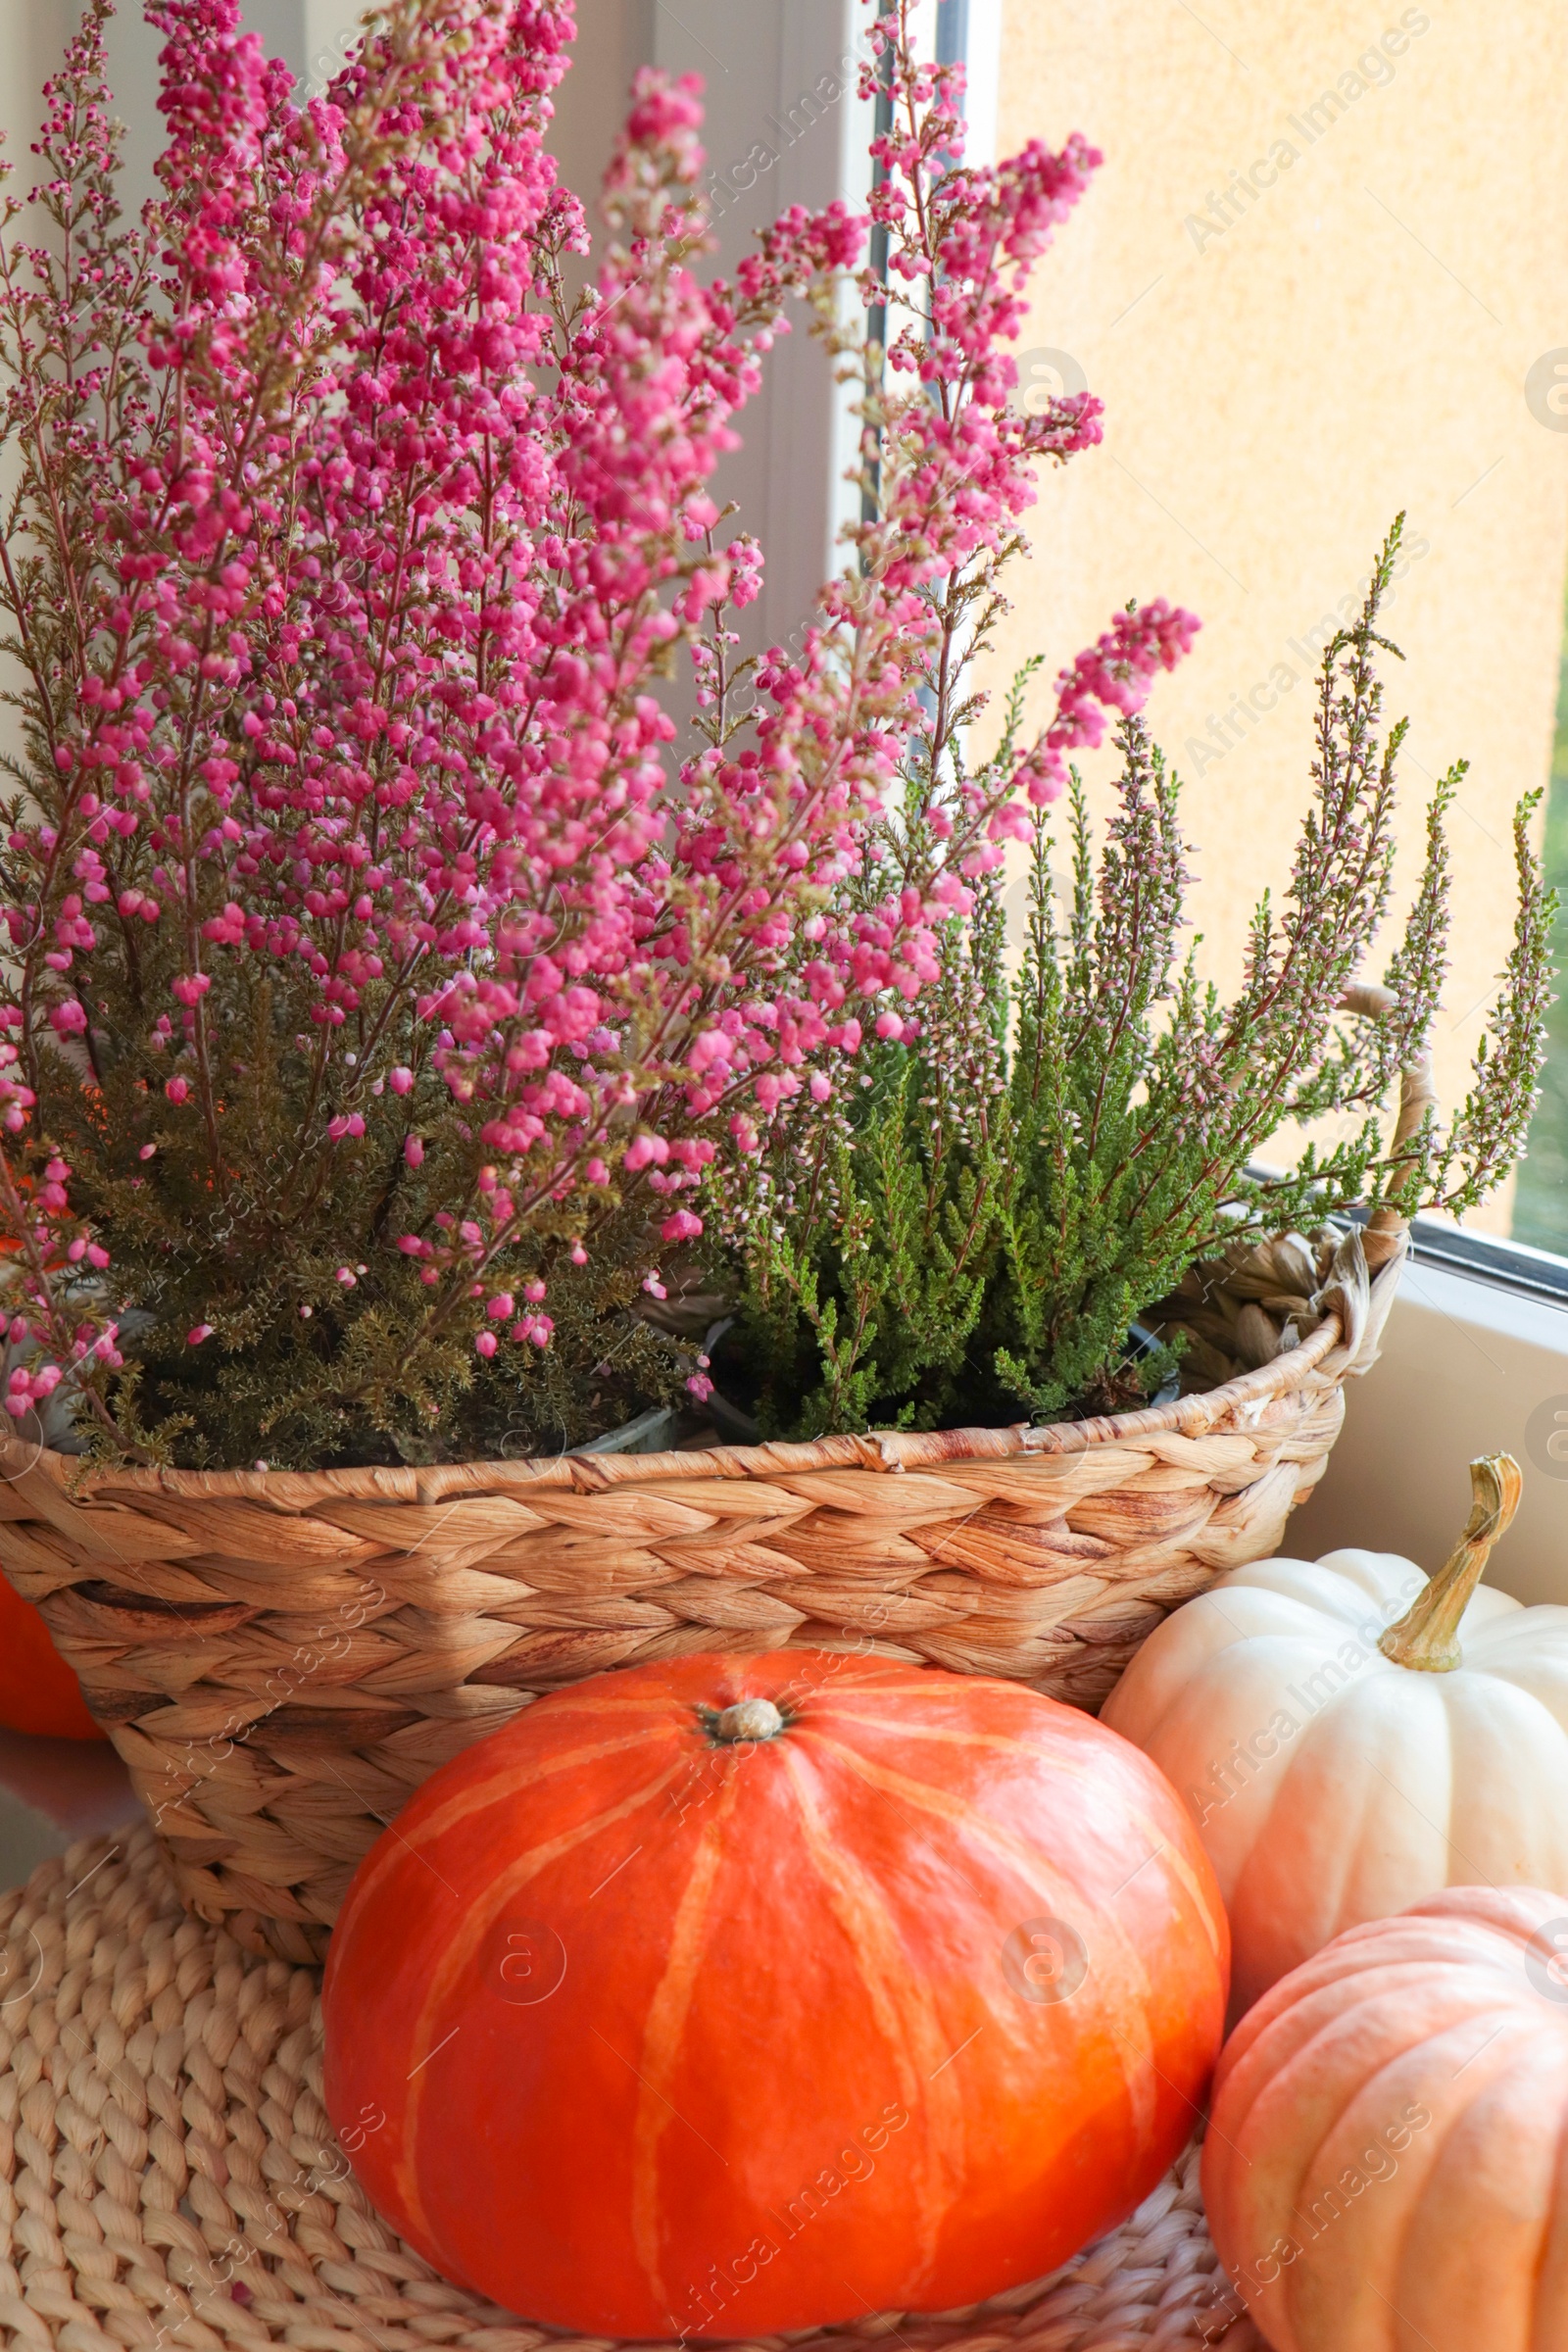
[(168, 2174)]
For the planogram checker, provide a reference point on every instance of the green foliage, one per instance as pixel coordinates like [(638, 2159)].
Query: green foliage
[(325, 1345), (970, 1237), (306, 1368)]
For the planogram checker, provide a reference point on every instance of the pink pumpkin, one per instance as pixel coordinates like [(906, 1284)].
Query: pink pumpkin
[(1383, 2169)]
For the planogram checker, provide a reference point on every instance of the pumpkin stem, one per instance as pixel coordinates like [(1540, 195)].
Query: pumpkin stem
[(749, 1719), (1427, 1636)]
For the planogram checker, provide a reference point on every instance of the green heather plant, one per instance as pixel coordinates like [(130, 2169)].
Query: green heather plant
[(969, 1236)]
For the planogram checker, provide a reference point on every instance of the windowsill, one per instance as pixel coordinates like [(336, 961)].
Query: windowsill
[(1537, 1273)]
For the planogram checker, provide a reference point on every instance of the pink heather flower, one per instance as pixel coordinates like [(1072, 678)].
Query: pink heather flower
[(701, 1387), (1114, 673), (500, 1306), (202, 1331), (485, 1343), (485, 859)]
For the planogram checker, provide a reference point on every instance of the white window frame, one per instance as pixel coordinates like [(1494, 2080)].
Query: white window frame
[(1474, 1360)]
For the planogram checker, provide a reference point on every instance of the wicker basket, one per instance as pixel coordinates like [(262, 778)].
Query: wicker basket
[(281, 1658)]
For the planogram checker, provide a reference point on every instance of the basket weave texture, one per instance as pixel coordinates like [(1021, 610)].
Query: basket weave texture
[(169, 2175), (281, 1659)]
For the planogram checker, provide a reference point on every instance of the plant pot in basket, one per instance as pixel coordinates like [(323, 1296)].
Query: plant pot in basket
[(281, 1657)]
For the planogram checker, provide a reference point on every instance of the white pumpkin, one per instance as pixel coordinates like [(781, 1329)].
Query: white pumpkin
[(1340, 1766)]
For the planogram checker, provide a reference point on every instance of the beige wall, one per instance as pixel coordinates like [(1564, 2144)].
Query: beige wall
[(1356, 340)]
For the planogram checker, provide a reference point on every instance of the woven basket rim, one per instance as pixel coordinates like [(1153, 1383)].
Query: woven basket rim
[(1196, 1415)]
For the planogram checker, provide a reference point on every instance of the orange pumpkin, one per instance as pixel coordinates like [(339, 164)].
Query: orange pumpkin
[(38, 1693), (741, 1994), (1385, 2167)]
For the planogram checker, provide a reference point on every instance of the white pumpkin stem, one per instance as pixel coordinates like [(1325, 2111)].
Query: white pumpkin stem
[(1427, 1636)]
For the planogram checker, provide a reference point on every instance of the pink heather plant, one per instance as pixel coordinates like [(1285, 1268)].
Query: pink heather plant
[(382, 979)]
